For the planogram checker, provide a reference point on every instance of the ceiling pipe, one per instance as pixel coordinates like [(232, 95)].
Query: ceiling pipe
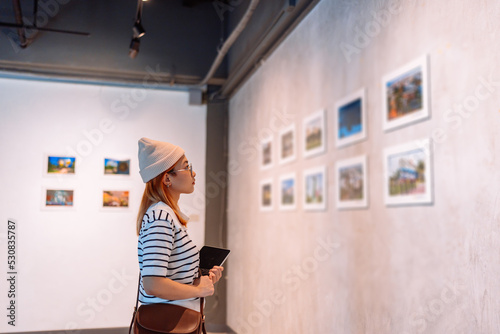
[(19, 20), (230, 40)]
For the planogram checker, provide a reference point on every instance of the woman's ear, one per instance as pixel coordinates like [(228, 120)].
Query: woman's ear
[(166, 180)]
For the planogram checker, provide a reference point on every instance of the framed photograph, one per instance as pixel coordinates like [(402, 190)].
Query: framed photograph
[(60, 165), (115, 199), (352, 183), (288, 195), (314, 134), (287, 151), (116, 167), (407, 173), (350, 119), (266, 195), (315, 188), (58, 199), (266, 150), (405, 95)]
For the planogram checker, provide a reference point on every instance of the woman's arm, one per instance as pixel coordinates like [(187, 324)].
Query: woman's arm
[(165, 288)]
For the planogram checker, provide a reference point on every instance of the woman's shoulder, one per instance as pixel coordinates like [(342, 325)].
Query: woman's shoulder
[(160, 206), (161, 211)]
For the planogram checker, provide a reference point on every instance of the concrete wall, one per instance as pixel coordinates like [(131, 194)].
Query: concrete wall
[(78, 268), (407, 269)]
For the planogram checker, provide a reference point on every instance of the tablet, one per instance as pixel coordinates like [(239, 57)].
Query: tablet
[(212, 256)]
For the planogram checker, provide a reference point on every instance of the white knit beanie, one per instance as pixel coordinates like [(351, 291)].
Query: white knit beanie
[(155, 157)]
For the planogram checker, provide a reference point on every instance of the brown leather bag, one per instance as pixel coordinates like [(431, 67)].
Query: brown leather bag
[(167, 318)]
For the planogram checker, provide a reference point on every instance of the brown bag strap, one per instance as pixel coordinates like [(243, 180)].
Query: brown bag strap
[(136, 304)]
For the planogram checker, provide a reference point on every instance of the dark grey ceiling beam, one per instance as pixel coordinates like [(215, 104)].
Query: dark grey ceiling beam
[(18, 13), (149, 79), (284, 23)]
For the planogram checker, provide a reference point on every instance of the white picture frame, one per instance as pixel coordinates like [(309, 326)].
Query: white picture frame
[(408, 175), (266, 153), (351, 178), (315, 192), (314, 134), (266, 200), (350, 119), (115, 166), (287, 144), (60, 166), (58, 199), (288, 192), (405, 94), (113, 199)]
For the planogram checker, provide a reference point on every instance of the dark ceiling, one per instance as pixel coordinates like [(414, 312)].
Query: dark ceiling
[(181, 41)]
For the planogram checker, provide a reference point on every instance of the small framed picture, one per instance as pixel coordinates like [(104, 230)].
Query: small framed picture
[(115, 199), (116, 166), (407, 173), (287, 152), (60, 165), (352, 183), (350, 119), (58, 199), (405, 95), (266, 150), (315, 188), (266, 195), (314, 134), (287, 192)]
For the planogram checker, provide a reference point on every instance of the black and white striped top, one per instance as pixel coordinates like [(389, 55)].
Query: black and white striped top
[(165, 250)]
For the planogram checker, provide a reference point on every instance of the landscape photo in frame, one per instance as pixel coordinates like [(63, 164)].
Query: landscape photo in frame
[(407, 173), (350, 119), (115, 199), (314, 194), (58, 199), (287, 147), (116, 166), (60, 165), (287, 189), (314, 135), (266, 195), (352, 183), (405, 97), (266, 153)]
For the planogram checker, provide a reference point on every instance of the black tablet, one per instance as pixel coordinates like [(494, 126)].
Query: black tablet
[(212, 256)]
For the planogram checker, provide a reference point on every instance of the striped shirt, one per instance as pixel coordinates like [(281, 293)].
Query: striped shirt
[(165, 250)]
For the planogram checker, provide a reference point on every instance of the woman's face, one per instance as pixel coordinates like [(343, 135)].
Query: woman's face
[(181, 180)]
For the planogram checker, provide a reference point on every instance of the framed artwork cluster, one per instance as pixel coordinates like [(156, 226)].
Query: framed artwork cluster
[(407, 172), (64, 168)]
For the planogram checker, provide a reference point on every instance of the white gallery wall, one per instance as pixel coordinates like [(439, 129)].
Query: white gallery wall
[(422, 268), (77, 268)]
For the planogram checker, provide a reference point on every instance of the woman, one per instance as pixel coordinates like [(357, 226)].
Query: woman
[(168, 259)]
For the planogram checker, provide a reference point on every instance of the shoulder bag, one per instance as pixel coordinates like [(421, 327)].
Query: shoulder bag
[(166, 318)]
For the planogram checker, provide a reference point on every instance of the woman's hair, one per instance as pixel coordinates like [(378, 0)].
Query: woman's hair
[(156, 191)]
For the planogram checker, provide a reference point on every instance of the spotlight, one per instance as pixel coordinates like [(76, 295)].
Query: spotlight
[(138, 30), (134, 48)]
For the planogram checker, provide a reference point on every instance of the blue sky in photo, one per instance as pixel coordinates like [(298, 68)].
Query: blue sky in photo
[(350, 119), (55, 160)]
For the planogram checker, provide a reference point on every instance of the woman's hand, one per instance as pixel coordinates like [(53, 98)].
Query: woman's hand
[(216, 274), (205, 286)]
